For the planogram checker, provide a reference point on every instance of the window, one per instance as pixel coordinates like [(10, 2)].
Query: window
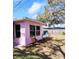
[(17, 29), (32, 30), (37, 30)]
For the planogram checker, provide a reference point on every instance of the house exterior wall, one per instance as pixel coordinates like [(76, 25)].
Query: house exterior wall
[(28, 28), (21, 39), (27, 33), (25, 38), (41, 32)]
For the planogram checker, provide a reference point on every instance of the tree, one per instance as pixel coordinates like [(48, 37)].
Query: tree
[(45, 16), (52, 14)]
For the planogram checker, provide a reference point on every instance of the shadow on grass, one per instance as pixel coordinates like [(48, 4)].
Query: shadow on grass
[(24, 55), (45, 40)]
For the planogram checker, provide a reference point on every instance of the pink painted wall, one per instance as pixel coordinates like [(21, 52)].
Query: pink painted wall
[(25, 38), (21, 39), (28, 38)]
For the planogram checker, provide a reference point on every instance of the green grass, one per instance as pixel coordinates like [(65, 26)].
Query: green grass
[(28, 57)]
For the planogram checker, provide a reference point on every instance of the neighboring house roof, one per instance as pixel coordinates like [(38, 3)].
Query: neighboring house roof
[(28, 19)]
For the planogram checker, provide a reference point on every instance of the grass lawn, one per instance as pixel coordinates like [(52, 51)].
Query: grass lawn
[(49, 48)]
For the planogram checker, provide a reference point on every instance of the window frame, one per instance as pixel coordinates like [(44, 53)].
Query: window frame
[(17, 30), (37, 31), (32, 30)]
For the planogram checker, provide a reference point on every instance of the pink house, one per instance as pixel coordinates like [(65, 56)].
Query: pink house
[(26, 31)]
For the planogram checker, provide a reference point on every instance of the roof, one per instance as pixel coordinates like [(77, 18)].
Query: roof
[(28, 19)]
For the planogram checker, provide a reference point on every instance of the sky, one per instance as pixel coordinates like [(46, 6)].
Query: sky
[(28, 8)]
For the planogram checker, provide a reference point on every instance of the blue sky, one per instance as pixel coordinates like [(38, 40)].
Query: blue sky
[(28, 8)]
